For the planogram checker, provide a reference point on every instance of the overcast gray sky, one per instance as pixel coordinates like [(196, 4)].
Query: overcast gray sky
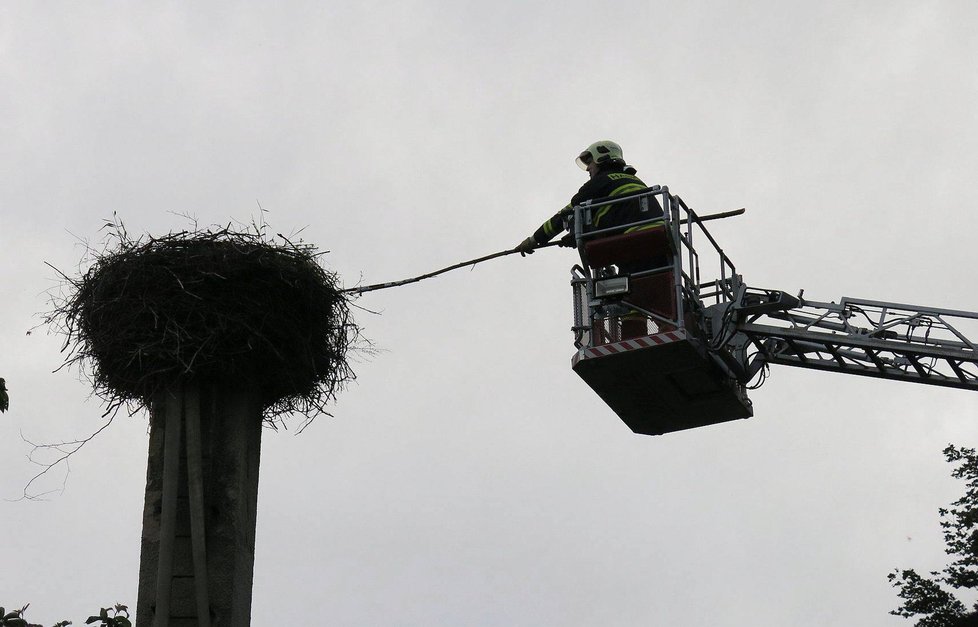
[(469, 477)]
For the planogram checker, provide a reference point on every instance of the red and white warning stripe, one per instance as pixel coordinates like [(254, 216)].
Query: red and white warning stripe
[(627, 345)]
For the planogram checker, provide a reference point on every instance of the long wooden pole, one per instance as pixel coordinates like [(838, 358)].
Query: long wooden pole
[(502, 253)]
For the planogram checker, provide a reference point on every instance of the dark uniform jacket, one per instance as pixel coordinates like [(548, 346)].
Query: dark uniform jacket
[(610, 181)]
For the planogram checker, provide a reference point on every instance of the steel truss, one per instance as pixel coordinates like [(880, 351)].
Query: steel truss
[(864, 337)]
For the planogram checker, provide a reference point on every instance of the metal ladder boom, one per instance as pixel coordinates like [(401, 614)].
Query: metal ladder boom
[(865, 337)]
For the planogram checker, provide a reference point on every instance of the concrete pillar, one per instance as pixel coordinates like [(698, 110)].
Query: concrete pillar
[(231, 425)]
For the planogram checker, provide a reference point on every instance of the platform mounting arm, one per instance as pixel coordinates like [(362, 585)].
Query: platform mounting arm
[(856, 336)]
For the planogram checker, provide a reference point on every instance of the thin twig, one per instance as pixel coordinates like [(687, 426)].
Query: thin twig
[(65, 454)]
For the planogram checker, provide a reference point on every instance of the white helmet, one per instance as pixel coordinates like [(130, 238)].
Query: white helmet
[(600, 152)]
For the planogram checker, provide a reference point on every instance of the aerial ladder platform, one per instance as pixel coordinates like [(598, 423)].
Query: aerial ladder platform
[(670, 336)]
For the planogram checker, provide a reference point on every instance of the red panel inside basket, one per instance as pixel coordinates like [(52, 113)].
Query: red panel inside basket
[(628, 247), (656, 293)]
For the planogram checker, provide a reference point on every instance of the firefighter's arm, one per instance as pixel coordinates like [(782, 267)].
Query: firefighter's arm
[(550, 229), (547, 231)]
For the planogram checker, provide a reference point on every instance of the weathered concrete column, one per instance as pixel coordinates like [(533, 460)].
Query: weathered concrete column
[(231, 426)]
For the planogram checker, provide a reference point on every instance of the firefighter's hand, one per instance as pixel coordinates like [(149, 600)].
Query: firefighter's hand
[(526, 246), (568, 241)]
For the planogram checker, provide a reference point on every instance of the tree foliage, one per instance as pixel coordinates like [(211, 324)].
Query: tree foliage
[(116, 616), (933, 598)]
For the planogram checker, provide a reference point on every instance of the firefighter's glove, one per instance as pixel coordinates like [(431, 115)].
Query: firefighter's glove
[(526, 246), (568, 241)]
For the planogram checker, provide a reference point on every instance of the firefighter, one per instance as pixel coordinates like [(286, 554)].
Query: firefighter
[(609, 177)]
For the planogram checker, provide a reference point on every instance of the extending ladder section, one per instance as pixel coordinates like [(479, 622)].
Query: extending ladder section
[(865, 337)]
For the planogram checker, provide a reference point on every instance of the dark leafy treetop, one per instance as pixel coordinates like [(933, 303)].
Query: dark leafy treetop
[(119, 617), (931, 598), (217, 306)]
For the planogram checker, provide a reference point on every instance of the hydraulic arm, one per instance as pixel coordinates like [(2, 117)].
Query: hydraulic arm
[(855, 336)]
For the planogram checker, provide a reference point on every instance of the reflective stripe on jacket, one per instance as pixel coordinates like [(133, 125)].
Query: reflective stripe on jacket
[(608, 182)]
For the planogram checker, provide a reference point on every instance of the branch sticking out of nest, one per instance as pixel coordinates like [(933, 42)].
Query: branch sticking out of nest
[(216, 306)]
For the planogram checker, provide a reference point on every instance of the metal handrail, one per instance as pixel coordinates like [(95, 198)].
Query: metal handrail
[(684, 227)]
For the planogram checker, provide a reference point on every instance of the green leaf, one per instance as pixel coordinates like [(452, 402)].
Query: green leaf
[(934, 597)]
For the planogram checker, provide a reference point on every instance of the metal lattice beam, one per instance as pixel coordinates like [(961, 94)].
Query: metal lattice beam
[(870, 338)]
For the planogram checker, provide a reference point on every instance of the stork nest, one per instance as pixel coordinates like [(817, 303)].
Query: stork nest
[(213, 306)]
